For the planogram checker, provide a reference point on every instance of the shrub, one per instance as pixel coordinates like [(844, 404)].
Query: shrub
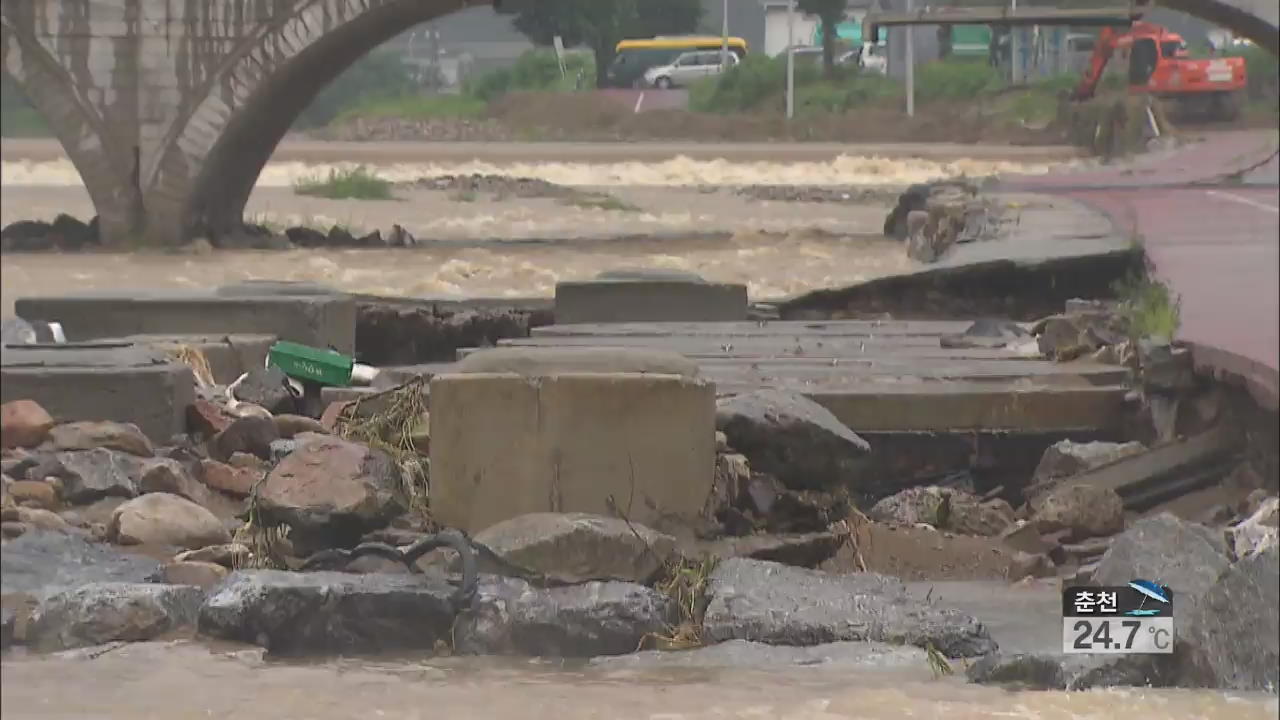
[(534, 70), (748, 85), (354, 184)]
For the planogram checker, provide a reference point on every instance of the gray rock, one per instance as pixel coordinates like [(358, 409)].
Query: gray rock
[(762, 656), (329, 612), (792, 438), (1049, 671), (783, 605), (511, 617), (577, 547), (1231, 638), (266, 387), (105, 612), (1084, 510), (41, 562), (1186, 556), (91, 475), (929, 505), (164, 475), (1066, 458)]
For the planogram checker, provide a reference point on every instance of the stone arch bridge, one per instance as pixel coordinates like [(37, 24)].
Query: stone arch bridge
[(170, 108)]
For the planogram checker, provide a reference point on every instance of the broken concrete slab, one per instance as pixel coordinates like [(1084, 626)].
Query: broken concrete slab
[(503, 445), (1147, 478), (535, 362), (321, 320), (101, 381), (651, 300), (229, 355), (784, 605), (41, 563)]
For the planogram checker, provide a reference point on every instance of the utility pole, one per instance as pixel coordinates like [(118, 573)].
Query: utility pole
[(724, 36), (911, 66), (791, 58), (1015, 72)]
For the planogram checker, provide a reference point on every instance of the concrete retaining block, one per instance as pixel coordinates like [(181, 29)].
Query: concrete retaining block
[(106, 381), (505, 444), (229, 356), (318, 320), (649, 300)]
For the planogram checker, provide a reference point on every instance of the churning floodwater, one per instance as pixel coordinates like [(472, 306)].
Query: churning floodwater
[(190, 680)]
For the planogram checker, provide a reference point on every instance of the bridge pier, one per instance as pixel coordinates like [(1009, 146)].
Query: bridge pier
[(170, 110)]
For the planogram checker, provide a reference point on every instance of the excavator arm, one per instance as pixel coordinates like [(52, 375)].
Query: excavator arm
[(1103, 49)]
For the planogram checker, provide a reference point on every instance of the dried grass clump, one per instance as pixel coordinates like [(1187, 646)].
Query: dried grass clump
[(684, 581), (390, 421)]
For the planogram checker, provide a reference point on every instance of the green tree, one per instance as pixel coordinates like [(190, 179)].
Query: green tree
[(831, 13), (600, 24)]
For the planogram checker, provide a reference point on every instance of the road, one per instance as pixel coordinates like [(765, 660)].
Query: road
[(318, 151), (1208, 217)]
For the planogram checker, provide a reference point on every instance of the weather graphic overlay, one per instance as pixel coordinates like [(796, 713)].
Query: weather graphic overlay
[(1129, 619)]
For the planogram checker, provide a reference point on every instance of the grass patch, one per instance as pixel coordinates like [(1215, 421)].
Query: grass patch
[(416, 107), (684, 581), (594, 201), (1149, 308), (354, 184), (398, 426)]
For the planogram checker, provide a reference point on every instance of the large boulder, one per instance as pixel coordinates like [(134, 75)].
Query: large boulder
[(1083, 510), (1055, 671), (329, 612), (90, 434), (166, 520), (1185, 556), (1231, 637), (596, 618), (1065, 458), (91, 475), (41, 563), (784, 605), (331, 491), (792, 438), (105, 612), (23, 423), (577, 547)]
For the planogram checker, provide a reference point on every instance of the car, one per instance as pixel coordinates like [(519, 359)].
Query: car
[(687, 69)]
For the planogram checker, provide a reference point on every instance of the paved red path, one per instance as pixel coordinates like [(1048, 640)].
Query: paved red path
[(1213, 240)]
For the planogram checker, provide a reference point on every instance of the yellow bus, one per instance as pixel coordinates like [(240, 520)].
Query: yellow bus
[(635, 56)]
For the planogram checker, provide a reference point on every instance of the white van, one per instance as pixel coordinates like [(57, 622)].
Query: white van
[(687, 69)]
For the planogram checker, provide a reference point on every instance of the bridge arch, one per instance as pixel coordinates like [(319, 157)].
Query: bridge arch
[(234, 129), (1257, 20)]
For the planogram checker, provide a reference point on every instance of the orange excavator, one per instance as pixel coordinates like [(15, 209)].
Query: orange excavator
[(1160, 65)]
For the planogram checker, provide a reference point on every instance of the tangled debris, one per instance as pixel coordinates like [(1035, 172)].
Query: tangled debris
[(396, 421)]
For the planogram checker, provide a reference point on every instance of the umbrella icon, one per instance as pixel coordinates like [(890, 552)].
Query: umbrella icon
[(1150, 590)]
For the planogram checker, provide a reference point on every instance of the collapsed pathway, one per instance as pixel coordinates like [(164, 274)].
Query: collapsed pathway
[(1208, 218)]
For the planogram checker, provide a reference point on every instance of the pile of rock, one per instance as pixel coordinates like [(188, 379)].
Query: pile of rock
[(65, 233), (932, 217)]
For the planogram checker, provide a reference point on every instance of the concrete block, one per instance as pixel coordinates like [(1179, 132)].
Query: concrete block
[(117, 381), (505, 444), (538, 361), (318, 320), (229, 356), (649, 300)]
